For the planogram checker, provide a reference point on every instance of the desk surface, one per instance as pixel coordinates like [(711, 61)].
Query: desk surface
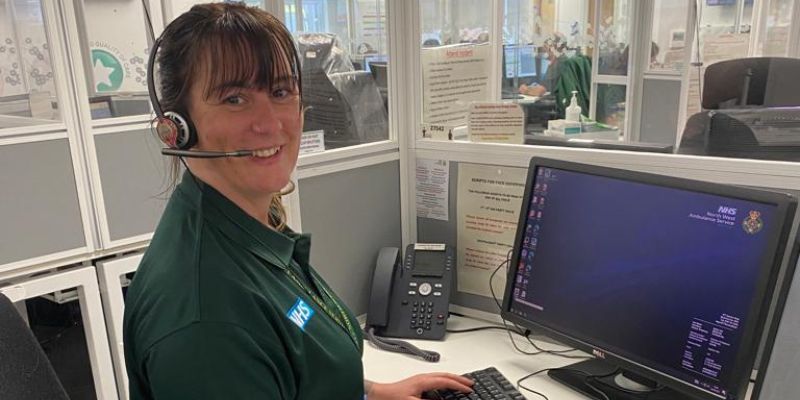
[(466, 352)]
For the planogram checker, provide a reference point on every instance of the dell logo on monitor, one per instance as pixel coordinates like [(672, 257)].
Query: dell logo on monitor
[(727, 210), (599, 354)]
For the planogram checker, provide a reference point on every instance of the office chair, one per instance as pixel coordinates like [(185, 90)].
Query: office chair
[(346, 105), (25, 371), (737, 88), (751, 82)]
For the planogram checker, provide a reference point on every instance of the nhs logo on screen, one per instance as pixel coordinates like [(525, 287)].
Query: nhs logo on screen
[(727, 210), (300, 313)]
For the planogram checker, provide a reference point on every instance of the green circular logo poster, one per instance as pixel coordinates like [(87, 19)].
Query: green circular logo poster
[(107, 71)]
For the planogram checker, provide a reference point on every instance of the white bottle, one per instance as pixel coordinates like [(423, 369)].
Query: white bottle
[(574, 110)]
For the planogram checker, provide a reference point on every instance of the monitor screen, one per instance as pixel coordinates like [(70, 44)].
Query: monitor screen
[(665, 277), (520, 61)]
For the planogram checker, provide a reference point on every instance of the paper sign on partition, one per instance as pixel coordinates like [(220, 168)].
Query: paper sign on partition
[(496, 123), (488, 205)]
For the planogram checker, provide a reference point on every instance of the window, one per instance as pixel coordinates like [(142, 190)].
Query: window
[(669, 35), (117, 58), (345, 66), (27, 83)]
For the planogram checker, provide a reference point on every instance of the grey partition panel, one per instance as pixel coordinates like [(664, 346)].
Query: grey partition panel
[(134, 176), (436, 231), (351, 215), (661, 101), (39, 206), (780, 380)]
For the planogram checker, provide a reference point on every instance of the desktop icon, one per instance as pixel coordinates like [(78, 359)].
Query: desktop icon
[(540, 171), (522, 294), (537, 187), (533, 241), (535, 199), (541, 201), (519, 278), (524, 253), (539, 215), (516, 292), (528, 268), (532, 214), (544, 187), (521, 265), (528, 228), (530, 255), (527, 239), (547, 173)]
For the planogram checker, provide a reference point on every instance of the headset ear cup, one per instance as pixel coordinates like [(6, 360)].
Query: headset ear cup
[(185, 137)]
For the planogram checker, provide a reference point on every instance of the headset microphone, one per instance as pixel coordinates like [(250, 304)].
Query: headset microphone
[(205, 154)]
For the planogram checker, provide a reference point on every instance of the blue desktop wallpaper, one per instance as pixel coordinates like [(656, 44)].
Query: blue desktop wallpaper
[(661, 276)]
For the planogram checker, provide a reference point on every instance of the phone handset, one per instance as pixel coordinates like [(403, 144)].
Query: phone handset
[(410, 297)]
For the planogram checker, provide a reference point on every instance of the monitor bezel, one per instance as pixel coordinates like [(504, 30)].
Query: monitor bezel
[(759, 308)]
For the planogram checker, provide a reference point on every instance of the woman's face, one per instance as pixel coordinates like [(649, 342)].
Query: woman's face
[(242, 116)]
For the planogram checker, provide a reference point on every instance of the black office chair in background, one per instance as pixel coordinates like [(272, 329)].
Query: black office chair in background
[(751, 109), (25, 371)]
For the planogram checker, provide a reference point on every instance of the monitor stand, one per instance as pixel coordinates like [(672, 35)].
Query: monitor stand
[(573, 376)]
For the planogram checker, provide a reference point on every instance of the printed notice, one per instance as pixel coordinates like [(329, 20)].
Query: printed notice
[(489, 200), (453, 77), (496, 123), (312, 142), (433, 187)]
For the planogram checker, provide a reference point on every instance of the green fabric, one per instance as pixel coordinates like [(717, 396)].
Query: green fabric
[(572, 73), (206, 314)]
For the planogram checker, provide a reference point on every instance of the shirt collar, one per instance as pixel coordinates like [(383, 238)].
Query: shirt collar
[(278, 248)]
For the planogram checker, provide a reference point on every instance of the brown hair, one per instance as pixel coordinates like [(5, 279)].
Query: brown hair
[(241, 44)]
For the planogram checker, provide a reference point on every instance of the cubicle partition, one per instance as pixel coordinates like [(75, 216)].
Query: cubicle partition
[(351, 214)]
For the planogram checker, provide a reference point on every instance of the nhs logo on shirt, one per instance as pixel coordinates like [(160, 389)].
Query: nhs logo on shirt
[(300, 313)]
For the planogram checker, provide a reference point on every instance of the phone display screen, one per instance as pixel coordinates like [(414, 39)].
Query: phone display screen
[(429, 263)]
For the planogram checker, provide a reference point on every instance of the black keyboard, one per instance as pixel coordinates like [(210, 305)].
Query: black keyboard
[(490, 384)]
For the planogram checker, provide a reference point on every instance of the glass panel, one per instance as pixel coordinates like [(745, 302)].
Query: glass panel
[(778, 27), (669, 35), (27, 84), (345, 69), (118, 64), (611, 106), (613, 37)]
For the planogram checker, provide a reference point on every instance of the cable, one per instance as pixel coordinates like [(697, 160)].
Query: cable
[(508, 330), (482, 328), (400, 346)]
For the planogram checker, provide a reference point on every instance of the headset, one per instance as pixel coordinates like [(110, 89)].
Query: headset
[(175, 130)]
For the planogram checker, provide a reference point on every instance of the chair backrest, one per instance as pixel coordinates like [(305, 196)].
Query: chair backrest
[(322, 51), (25, 371), (346, 105), (748, 82)]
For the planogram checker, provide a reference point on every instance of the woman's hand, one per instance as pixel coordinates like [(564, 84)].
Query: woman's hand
[(413, 387)]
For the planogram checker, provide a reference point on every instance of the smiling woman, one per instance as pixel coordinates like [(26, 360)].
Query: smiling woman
[(225, 303)]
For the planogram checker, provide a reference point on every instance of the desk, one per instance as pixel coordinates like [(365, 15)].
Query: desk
[(466, 352)]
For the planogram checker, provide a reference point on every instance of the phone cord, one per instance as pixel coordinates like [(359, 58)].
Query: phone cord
[(401, 346)]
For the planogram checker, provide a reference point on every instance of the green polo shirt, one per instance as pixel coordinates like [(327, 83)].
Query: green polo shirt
[(223, 307)]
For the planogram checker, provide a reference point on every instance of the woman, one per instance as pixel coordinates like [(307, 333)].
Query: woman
[(225, 304)]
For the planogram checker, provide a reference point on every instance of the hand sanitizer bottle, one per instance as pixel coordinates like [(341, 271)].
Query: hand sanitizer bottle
[(574, 110)]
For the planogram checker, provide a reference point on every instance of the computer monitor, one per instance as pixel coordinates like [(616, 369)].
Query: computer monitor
[(665, 280), (519, 61)]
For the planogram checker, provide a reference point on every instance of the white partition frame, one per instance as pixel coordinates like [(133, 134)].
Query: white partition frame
[(85, 280), (109, 273)]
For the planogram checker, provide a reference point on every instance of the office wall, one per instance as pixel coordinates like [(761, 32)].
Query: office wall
[(660, 104), (351, 214), (39, 205), (436, 231)]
